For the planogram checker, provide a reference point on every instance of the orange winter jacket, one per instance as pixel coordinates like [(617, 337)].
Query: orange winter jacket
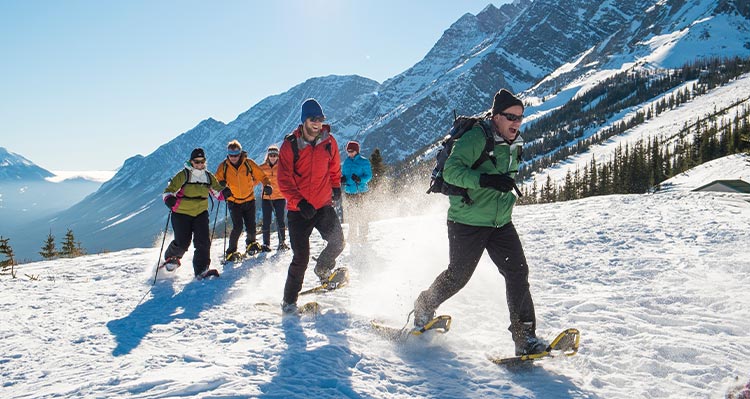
[(241, 179), (272, 172)]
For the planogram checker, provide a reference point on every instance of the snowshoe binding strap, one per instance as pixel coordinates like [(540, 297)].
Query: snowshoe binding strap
[(233, 257), (439, 324), (337, 279)]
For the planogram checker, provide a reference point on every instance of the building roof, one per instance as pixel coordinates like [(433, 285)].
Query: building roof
[(739, 186)]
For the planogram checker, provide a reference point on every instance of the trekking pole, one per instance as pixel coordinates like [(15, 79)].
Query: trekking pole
[(163, 240), (215, 219)]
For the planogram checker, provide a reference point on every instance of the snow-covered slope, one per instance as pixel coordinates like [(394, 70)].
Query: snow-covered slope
[(657, 284), (730, 98), (731, 167)]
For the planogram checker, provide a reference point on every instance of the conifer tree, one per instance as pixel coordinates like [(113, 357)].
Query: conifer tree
[(378, 168), (6, 265), (48, 249), (70, 248)]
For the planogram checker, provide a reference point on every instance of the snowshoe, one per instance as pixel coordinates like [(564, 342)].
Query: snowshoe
[(566, 343), (233, 257), (253, 249), (282, 247), (291, 309), (208, 273), (171, 264), (440, 324), (265, 248), (337, 279)]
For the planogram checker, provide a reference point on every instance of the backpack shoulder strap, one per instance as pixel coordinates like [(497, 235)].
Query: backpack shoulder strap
[(248, 167), (489, 145), (292, 139), (187, 177)]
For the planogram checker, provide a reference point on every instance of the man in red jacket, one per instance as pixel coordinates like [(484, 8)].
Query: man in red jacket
[(310, 179)]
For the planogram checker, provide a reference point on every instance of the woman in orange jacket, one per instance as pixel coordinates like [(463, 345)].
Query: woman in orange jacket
[(274, 203), (241, 174)]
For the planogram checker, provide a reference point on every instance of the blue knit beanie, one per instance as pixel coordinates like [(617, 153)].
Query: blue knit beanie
[(311, 109)]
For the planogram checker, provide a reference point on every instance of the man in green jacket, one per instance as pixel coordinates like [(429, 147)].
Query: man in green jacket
[(485, 222)]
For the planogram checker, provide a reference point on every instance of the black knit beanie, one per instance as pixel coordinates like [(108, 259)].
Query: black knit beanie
[(197, 153), (504, 100)]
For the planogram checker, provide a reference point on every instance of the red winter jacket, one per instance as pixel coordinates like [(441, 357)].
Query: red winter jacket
[(316, 172)]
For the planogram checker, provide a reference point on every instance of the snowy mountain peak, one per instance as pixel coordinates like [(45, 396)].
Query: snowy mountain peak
[(14, 167)]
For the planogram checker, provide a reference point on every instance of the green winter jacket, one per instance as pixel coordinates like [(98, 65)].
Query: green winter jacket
[(491, 208), (192, 189)]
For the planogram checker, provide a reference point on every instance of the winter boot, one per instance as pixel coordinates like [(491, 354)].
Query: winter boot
[(265, 248), (288, 308), (253, 248), (171, 264), (526, 341), (207, 273), (323, 273), (422, 315), (282, 247), (233, 256)]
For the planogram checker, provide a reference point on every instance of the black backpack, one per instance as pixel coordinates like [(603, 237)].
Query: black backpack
[(461, 125)]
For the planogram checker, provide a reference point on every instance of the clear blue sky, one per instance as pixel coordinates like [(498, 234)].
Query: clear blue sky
[(86, 84)]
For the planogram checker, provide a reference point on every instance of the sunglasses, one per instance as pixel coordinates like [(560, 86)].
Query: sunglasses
[(318, 119), (273, 155), (233, 155), (512, 117), (197, 162)]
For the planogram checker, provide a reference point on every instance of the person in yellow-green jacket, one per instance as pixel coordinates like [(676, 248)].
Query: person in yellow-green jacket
[(484, 222), (241, 174), (186, 196)]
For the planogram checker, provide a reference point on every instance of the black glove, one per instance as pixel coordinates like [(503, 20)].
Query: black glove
[(502, 183), (170, 201), (356, 178), (306, 210), (267, 190), (343, 179), (223, 183), (226, 192), (336, 194)]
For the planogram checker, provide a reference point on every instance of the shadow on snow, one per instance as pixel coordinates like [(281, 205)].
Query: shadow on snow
[(164, 306)]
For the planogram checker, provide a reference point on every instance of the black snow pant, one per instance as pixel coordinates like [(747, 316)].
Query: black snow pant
[(466, 245), (328, 225), (242, 215), (185, 227), (270, 208)]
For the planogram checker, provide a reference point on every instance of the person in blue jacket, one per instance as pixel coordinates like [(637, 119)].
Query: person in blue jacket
[(356, 172)]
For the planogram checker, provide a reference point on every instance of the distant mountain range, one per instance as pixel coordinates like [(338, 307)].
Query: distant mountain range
[(547, 50)]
